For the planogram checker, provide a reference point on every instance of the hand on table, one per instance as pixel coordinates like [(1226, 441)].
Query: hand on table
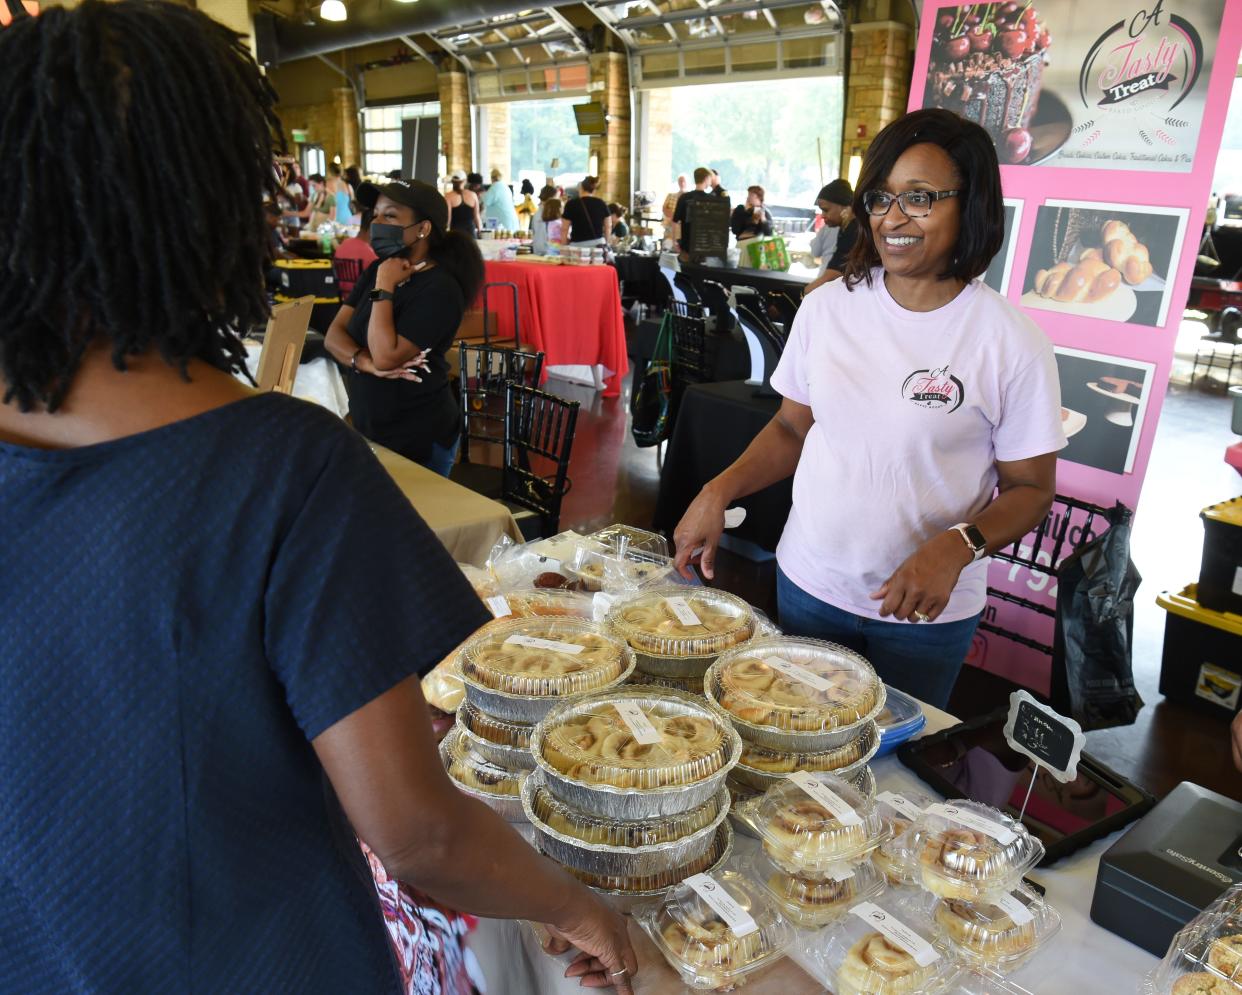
[(921, 586), (607, 959), (701, 525)]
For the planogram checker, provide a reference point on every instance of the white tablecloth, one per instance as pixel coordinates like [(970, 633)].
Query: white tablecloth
[(1082, 958), (319, 381)]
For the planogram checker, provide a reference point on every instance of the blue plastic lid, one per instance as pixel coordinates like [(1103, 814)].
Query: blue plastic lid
[(900, 720)]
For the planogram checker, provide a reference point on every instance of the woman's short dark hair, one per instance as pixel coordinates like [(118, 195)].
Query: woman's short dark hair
[(982, 208), (616, 210), (107, 108), (589, 184), (552, 208), (528, 188)]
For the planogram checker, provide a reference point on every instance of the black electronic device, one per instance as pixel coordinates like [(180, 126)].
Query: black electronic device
[(972, 760)]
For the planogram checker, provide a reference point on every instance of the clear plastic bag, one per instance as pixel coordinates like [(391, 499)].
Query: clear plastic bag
[(1001, 935), (971, 851)]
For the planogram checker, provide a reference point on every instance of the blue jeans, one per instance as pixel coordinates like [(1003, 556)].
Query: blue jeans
[(920, 659), (441, 458)]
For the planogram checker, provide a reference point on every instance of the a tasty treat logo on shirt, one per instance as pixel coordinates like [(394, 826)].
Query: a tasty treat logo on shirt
[(934, 389)]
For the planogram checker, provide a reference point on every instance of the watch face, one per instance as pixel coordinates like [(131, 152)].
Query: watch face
[(975, 537)]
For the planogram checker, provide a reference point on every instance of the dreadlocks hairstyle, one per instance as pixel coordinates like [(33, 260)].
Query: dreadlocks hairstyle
[(109, 109)]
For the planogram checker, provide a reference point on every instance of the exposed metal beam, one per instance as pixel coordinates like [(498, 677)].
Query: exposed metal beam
[(417, 48), (543, 40), (566, 26), (490, 25), (668, 18)]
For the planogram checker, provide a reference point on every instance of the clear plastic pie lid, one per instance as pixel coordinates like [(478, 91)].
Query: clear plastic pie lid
[(472, 771), (603, 831), (1205, 957), (795, 685), (544, 657), (549, 603), (680, 621), (502, 732), (626, 540), (686, 685), (717, 929), (816, 901), (1001, 933), (811, 823), (635, 737), (770, 761), (663, 880), (968, 850)]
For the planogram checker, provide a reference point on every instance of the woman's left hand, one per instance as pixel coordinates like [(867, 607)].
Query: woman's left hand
[(392, 273), (919, 589)]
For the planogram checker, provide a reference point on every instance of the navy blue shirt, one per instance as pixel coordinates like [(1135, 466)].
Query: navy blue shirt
[(181, 612)]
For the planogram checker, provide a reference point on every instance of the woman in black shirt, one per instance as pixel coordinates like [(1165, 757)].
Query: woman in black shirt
[(752, 219), (395, 330), (587, 218)]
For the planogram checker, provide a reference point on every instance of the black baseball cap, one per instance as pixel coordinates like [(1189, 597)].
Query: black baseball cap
[(837, 192), (414, 194)]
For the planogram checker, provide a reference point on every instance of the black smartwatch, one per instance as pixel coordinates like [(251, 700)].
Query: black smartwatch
[(381, 295), (973, 538)]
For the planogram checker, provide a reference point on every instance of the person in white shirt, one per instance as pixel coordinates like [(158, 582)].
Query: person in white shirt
[(921, 419)]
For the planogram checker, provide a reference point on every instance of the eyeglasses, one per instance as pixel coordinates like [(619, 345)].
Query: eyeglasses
[(913, 203)]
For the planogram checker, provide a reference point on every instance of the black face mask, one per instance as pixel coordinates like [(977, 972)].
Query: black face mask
[(389, 240)]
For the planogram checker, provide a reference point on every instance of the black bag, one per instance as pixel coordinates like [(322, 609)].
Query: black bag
[(652, 401), (1092, 676)]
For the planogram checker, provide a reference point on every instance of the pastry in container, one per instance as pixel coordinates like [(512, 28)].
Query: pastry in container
[(517, 670), (717, 930), (690, 685), (811, 824), (763, 767), (596, 571), (502, 742), (495, 786), (899, 720), (677, 631), (796, 695), (811, 902), (971, 851), (896, 858), (550, 603), (1000, 935), (1205, 956), (885, 946)]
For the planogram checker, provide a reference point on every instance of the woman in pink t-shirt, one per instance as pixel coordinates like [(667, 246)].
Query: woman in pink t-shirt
[(920, 421)]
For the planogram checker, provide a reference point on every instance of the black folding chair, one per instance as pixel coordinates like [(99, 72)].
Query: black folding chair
[(539, 435)]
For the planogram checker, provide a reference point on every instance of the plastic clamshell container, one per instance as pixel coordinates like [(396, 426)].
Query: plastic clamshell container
[(495, 786), (814, 902), (971, 851), (899, 720), (811, 837), (626, 892), (550, 603), (864, 780), (593, 758), (609, 847), (896, 858), (796, 695), (1206, 952), (502, 742), (678, 621), (885, 946), (626, 540), (762, 767), (610, 571), (1001, 936), (517, 670), (703, 947)]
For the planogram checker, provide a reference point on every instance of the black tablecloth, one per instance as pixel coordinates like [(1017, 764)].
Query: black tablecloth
[(760, 279), (715, 424), (641, 279)]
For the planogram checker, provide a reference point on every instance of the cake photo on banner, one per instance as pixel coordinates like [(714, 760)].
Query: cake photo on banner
[(1103, 404), (1063, 83), (1001, 266), (1110, 261)]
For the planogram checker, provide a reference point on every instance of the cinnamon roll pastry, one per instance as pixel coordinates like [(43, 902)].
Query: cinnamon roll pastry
[(779, 762), (873, 964), (805, 827), (956, 863), (811, 895), (485, 777), (984, 930), (709, 943), (510, 666)]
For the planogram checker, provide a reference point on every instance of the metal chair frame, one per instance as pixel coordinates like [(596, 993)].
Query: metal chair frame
[(484, 373), (537, 424)]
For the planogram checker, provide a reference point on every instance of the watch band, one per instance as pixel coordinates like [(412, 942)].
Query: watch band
[(973, 538), (353, 360), (381, 295)]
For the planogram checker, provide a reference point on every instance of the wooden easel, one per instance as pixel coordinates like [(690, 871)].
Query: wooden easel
[(282, 344)]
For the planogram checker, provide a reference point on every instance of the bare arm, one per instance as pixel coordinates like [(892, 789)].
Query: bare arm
[(338, 343), (771, 457)]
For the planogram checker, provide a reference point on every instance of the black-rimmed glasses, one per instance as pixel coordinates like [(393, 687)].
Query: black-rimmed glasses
[(913, 203)]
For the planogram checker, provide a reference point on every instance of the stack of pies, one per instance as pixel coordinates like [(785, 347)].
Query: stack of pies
[(496, 786), (678, 631)]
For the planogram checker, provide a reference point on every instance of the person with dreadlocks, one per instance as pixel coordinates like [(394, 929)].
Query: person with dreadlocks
[(206, 697)]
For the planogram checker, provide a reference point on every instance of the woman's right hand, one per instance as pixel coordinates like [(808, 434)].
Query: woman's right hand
[(607, 959), (700, 526)]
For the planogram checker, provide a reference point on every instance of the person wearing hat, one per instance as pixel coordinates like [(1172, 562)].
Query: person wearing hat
[(833, 242), (463, 205), (394, 331)]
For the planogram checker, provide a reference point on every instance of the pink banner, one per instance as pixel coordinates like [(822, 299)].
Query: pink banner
[(1107, 118)]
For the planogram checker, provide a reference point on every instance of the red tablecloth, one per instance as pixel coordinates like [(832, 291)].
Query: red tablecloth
[(572, 314)]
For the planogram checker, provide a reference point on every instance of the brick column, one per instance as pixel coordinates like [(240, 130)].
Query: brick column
[(499, 150), (657, 166), (878, 82), (455, 132), (346, 106), (612, 70)]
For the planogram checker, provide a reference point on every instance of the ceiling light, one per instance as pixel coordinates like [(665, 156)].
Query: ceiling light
[(407, 1), (333, 10)]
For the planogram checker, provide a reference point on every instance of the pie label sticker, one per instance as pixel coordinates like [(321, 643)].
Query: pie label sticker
[(638, 723), (841, 810), (499, 606), (1012, 906), (549, 645), (800, 674), (682, 610), (900, 804), (978, 823), (601, 605), (897, 933), (723, 904)]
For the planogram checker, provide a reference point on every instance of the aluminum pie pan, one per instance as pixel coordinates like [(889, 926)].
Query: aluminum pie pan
[(679, 667), (530, 708), (628, 902), (514, 757), (623, 861), (788, 740), (634, 804), (762, 779)]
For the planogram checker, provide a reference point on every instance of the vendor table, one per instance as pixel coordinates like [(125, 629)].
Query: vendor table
[(468, 524), (792, 283), (1083, 957), (572, 314), (715, 423)]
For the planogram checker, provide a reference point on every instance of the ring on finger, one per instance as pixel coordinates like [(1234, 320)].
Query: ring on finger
[(922, 616), (619, 974)]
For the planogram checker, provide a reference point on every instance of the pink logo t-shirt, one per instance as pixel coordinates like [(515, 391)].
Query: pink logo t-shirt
[(912, 410)]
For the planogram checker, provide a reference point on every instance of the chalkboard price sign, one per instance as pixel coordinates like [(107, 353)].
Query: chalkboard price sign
[(1048, 738)]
